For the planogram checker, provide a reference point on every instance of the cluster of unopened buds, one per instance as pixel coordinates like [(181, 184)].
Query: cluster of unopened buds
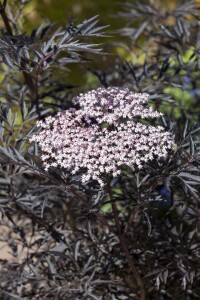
[(106, 133)]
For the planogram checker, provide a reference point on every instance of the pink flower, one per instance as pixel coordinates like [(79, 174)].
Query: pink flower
[(104, 134)]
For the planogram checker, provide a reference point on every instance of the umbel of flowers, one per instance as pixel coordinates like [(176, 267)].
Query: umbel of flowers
[(104, 134)]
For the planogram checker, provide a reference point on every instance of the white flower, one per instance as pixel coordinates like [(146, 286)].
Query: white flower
[(78, 141)]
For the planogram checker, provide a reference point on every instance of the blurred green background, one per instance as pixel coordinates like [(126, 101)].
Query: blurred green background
[(62, 11)]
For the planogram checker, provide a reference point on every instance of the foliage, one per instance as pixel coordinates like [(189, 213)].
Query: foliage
[(137, 237)]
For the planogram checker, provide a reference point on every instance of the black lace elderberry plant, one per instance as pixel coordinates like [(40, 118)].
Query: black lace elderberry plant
[(78, 226)]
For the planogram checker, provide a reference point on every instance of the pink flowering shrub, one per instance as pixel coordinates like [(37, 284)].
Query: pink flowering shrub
[(103, 135)]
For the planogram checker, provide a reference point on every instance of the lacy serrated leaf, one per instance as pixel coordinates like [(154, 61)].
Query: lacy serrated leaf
[(190, 176)]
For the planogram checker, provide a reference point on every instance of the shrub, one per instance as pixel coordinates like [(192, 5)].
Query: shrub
[(103, 203)]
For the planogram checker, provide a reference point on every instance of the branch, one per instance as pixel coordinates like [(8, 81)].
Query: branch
[(134, 213), (124, 247), (5, 17)]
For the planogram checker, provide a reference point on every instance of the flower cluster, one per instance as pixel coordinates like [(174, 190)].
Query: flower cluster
[(109, 105), (103, 135)]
